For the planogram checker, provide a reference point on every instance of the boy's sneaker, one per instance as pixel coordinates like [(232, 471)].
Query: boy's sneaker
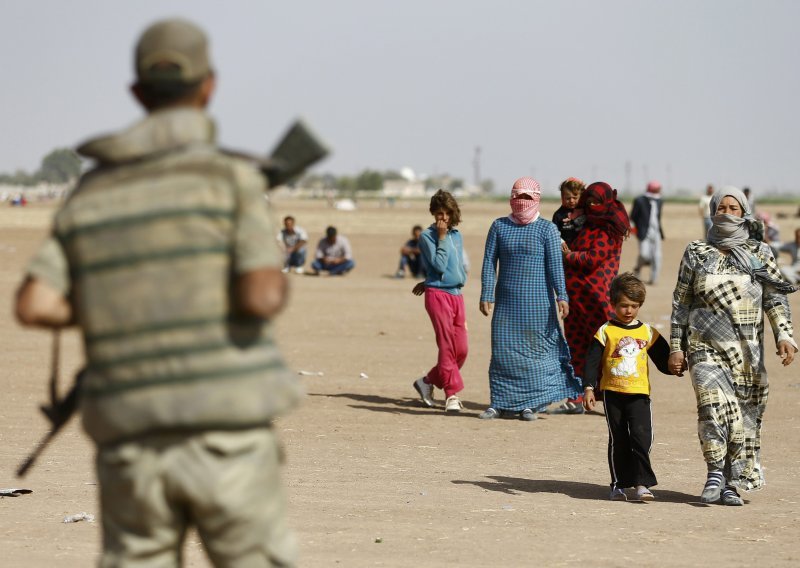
[(299, 270), (644, 494), (425, 391), (400, 274), (618, 494), (453, 404)]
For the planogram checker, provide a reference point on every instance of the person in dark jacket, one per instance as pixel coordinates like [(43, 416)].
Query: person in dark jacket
[(646, 217)]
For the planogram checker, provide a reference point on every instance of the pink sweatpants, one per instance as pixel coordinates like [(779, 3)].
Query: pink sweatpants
[(449, 323)]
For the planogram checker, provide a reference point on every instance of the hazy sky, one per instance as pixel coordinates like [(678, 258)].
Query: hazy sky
[(688, 92)]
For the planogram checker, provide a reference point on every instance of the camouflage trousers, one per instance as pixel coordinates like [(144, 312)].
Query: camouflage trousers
[(224, 483)]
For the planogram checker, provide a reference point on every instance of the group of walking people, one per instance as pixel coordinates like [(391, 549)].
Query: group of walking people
[(538, 276)]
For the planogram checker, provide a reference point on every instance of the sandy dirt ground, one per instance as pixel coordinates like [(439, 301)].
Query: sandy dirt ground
[(374, 478)]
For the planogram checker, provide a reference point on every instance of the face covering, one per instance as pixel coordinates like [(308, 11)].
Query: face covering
[(731, 233), (729, 228), (525, 211)]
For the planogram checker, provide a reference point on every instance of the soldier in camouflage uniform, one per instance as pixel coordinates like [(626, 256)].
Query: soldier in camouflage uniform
[(164, 255)]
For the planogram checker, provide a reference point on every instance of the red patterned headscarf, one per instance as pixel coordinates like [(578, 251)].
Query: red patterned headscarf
[(609, 213), (524, 211)]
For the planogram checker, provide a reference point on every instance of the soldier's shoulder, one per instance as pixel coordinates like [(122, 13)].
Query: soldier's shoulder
[(242, 167), (238, 169)]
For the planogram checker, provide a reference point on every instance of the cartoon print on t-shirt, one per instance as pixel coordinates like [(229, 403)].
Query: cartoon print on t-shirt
[(627, 351)]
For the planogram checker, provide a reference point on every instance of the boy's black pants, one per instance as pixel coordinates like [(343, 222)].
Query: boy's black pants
[(630, 437)]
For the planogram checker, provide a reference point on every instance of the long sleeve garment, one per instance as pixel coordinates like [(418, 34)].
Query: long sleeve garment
[(618, 353), (589, 269), (718, 322), (444, 260), (522, 275)]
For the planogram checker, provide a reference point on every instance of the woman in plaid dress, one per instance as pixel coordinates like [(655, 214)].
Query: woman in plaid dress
[(725, 286), (522, 286)]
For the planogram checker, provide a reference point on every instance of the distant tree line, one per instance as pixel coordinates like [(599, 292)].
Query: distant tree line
[(62, 165), (373, 180)]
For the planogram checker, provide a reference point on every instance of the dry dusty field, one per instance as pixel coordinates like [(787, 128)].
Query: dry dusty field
[(375, 479)]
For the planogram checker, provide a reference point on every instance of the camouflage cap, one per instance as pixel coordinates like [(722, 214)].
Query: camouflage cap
[(172, 50)]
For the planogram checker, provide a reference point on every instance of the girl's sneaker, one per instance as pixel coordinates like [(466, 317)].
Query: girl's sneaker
[(618, 494), (425, 391), (644, 494), (453, 404)]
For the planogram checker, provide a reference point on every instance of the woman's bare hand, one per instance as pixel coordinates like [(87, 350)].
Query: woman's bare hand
[(786, 352)]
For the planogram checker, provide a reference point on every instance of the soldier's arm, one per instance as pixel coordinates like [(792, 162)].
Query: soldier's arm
[(260, 288), (262, 292), (39, 304), (42, 299)]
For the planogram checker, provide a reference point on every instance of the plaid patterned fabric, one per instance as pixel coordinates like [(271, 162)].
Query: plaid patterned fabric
[(522, 274), (718, 321)]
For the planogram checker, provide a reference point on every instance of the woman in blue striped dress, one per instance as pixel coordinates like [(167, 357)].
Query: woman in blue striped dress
[(522, 286)]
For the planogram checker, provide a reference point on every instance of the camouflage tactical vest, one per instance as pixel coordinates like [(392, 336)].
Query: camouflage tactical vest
[(152, 239)]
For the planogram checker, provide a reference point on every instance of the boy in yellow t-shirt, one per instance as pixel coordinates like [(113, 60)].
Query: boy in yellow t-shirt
[(618, 353)]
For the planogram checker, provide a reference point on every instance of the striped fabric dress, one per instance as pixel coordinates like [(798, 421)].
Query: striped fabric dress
[(523, 274)]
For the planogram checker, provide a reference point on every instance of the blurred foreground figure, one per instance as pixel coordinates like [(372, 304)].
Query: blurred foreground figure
[(159, 256)]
